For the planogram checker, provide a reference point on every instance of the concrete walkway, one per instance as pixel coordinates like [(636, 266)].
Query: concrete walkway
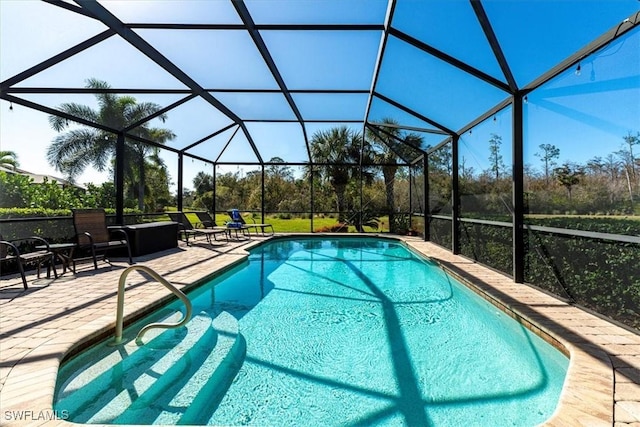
[(38, 327)]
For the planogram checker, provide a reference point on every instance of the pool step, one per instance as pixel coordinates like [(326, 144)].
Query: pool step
[(190, 390), (159, 383), (104, 388), (184, 386), (225, 362)]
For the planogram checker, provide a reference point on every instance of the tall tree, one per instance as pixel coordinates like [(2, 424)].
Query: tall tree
[(157, 182), (628, 160), (627, 155), (335, 148), (568, 176), (466, 172), (277, 169), (495, 158), (279, 185), (202, 183), (548, 154), (440, 183), (73, 151), (611, 166), (388, 148)]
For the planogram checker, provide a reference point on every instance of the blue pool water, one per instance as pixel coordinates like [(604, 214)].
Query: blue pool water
[(341, 332)]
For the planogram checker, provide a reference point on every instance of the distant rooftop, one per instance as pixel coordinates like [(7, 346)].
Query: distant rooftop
[(41, 178)]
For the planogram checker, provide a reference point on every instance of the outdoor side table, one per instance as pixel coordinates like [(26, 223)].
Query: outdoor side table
[(64, 252), (243, 229)]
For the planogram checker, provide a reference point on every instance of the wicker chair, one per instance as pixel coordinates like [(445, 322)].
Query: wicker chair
[(10, 251), (92, 233)]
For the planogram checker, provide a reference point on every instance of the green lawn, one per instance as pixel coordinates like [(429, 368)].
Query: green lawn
[(293, 225)]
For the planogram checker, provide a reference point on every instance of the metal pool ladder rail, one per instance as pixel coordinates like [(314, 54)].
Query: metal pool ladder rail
[(120, 307)]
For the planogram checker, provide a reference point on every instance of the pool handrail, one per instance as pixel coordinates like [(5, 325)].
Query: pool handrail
[(120, 305)]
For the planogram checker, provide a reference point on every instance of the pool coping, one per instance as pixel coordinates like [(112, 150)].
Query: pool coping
[(602, 385)]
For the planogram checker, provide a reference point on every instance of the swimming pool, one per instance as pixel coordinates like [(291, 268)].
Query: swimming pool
[(323, 332)]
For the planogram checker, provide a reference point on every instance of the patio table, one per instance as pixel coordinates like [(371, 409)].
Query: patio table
[(63, 252)]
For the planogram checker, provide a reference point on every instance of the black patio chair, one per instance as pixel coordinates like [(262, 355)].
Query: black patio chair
[(186, 228), (206, 220), (92, 233), (10, 250)]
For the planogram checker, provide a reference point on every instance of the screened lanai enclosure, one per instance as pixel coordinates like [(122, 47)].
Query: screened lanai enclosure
[(505, 130)]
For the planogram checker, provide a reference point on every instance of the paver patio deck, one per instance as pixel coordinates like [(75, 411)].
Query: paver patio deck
[(38, 327)]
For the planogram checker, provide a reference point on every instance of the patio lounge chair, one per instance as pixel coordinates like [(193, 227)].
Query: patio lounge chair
[(206, 220), (9, 250), (236, 217), (186, 228), (92, 233)]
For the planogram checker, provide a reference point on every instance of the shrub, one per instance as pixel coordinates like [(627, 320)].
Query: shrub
[(335, 228)]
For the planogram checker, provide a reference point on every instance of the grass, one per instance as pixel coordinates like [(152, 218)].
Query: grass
[(303, 225), (295, 224)]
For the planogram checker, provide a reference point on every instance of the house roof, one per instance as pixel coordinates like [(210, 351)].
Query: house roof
[(37, 178)]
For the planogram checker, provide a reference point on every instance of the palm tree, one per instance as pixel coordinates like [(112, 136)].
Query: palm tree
[(388, 148), (9, 159), (136, 178), (156, 182), (336, 147), (76, 149), (139, 154)]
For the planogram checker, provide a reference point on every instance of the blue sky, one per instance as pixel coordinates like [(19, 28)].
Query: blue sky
[(584, 115)]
